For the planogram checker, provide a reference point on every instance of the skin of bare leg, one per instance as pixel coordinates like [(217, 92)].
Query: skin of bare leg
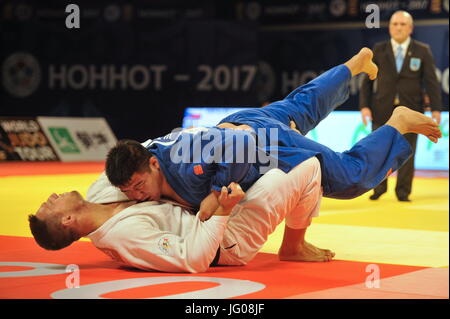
[(406, 120), (295, 248)]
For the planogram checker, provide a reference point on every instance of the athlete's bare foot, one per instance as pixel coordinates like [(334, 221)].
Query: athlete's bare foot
[(362, 62), (406, 120), (306, 252), (327, 252)]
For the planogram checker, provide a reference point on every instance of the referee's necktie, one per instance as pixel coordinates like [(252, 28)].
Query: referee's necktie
[(399, 59)]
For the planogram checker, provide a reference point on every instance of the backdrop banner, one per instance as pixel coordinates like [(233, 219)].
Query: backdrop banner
[(23, 139), (140, 65)]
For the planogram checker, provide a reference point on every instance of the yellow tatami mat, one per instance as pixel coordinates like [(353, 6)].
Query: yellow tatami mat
[(384, 231), (22, 195)]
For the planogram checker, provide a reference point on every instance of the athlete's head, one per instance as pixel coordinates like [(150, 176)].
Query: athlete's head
[(58, 222), (400, 26), (134, 170)]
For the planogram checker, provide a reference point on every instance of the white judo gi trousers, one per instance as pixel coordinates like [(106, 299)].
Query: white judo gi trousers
[(293, 196)]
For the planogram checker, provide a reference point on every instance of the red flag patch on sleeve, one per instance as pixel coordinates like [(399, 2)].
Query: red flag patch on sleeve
[(198, 170)]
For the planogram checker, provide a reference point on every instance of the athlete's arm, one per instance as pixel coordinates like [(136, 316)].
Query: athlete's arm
[(141, 244), (238, 150), (221, 203), (208, 206)]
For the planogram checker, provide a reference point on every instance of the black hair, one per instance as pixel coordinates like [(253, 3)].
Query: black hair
[(125, 159)]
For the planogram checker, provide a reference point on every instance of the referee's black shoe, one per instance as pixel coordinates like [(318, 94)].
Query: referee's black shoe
[(403, 199), (375, 196)]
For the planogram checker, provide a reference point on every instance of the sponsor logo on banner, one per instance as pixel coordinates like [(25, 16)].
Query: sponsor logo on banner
[(23, 139), (112, 13), (253, 10), (79, 139), (24, 12), (63, 140), (21, 74), (338, 7)]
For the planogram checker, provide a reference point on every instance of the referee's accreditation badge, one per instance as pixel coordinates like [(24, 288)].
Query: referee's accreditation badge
[(414, 64)]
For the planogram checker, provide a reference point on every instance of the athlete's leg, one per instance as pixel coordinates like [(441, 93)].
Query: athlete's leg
[(405, 120), (276, 195), (309, 104), (354, 172), (294, 246)]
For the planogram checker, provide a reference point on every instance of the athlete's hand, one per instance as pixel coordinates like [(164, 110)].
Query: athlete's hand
[(228, 200)]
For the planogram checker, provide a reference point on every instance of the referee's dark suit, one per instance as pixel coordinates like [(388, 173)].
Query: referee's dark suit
[(406, 87)]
